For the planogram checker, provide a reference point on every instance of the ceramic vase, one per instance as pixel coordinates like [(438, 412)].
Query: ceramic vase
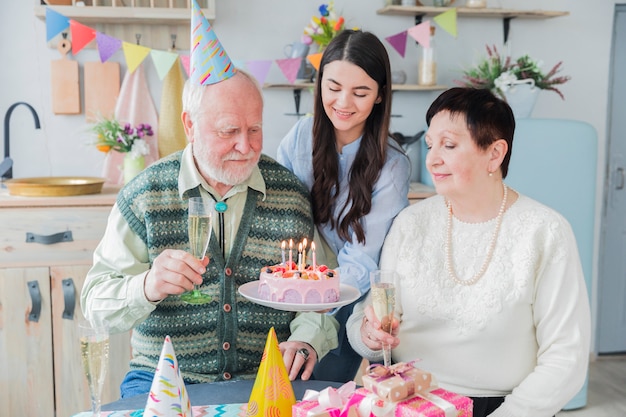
[(522, 96), (133, 165)]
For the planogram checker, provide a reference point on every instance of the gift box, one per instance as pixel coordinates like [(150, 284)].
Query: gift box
[(435, 403), (396, 382), (329, 402)]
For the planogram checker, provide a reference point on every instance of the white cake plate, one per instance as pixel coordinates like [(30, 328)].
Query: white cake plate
[(347, 294)]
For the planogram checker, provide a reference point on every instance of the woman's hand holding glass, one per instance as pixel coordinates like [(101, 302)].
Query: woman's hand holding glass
[(380, 325)]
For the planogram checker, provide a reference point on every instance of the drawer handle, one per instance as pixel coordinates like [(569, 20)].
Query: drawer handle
[(35, 298), (69, 297), (49, 239)]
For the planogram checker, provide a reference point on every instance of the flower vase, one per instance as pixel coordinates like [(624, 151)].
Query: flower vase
[(522, 96), (133, 165)]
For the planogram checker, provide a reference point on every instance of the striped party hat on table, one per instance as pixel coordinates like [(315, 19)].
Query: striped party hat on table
[(210, 63)]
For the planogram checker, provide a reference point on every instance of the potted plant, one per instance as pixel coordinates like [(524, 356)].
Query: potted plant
[(111, 135), (506, 76)]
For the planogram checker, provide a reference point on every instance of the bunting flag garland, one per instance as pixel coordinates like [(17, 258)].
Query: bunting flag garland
[(81, 36), (289, 68), (216, 60), (315, 60), (185, 60), (55, 23), (134, 54), (447, 21), (107, 46), (163, 61), (398, 41), (259, 69), (421, 33)]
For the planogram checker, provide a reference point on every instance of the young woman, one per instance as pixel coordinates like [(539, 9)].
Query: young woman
[(357, 174)]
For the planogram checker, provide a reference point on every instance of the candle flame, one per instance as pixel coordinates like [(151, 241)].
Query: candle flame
[(290, 243), (304, 243), (313, 246), (299, 247), (283, 244)]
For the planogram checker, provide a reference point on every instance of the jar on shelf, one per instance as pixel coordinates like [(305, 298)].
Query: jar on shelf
[(427, 66)]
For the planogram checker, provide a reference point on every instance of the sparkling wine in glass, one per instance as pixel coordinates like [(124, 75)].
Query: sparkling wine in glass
[(383, 293), (94, 350), (199, 229)]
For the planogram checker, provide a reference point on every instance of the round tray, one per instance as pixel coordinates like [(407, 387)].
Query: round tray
[(54, 186)]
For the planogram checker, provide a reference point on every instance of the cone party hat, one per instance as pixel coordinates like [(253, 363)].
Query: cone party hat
[(272, 394), (168, 395), (210, 63)]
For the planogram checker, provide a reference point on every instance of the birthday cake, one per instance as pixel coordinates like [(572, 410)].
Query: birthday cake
[(286, 284)]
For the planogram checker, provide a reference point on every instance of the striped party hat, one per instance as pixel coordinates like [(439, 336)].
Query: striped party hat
[(210, 63)]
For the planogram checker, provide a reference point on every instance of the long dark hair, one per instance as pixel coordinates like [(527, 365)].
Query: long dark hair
[(365, 50)]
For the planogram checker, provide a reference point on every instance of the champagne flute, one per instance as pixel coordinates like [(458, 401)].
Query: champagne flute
[(383, 293), (94, 350), (199, 229)]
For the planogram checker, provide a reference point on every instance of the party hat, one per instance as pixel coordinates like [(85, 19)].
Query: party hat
[(272, 393), (210, 63), (168, 395)]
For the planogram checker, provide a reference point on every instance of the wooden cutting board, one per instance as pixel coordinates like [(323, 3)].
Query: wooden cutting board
[(64, 81), (102, 88)]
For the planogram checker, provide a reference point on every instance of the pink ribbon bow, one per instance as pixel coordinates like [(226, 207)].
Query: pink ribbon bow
[(330, 398)]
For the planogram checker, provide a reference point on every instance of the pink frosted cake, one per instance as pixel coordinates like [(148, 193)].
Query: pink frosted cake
[(299, 286)]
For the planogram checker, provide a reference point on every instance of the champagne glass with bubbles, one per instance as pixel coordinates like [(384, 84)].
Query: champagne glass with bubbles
[(94, 350), (199, 229), (383, 294)]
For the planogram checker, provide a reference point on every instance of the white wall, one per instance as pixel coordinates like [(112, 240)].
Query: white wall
[(251, 29)]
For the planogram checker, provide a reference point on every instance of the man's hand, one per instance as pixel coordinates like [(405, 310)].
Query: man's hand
[(295, 357), (173, 272)]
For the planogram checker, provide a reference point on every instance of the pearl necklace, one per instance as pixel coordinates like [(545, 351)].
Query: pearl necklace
[(492, 244)]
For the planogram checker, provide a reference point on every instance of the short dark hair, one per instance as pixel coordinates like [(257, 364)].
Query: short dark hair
[(488, 117)]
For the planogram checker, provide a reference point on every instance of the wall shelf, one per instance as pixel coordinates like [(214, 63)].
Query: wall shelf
[(488, 12), (298, 87)]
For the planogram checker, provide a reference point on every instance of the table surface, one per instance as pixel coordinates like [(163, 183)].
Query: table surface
[(226, 392)]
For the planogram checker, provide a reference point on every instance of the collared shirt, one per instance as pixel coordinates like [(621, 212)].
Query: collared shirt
[(390, 195)]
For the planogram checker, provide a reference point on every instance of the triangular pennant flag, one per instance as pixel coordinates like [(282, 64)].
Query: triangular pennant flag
[(398, 41), (134, 54), (107, 46), (168, 394), (55, 23), (184, 59), (81, 36), (210, 63), (272, 393), (315, 60), (447, 21), (289, 68), (171, 131), (421, 33), (163, 61), (259, 69)]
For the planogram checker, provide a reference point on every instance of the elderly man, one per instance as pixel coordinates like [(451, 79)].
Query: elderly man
[(142, 264)]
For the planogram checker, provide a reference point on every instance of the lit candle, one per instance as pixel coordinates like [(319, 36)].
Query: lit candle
[(283, 244), (304, 242), (313, 256), (299, 256), (290, 254)]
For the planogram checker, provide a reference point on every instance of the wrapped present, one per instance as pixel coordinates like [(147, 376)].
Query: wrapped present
[(435, 403), (396, 382), (329, 402)]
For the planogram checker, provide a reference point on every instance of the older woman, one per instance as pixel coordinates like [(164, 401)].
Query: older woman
[(491, 293)]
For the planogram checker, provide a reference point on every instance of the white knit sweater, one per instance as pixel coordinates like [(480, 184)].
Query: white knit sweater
[(522, 331)]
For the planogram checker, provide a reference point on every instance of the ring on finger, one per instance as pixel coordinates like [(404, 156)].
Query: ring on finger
[(304, 353)]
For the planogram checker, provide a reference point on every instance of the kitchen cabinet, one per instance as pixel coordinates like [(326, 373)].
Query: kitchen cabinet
[(39, 350)]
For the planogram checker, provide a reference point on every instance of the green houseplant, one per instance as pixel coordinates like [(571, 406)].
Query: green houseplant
[(500, 74)]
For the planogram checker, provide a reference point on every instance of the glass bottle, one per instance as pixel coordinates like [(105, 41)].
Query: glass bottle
[(427, 66)]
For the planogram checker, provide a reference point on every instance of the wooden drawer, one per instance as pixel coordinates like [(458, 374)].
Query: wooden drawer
[(17, 249)]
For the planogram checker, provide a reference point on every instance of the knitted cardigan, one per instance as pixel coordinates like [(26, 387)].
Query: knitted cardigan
[(227, 335)]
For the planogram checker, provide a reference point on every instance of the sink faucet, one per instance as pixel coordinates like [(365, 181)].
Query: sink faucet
[(6, 166)]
